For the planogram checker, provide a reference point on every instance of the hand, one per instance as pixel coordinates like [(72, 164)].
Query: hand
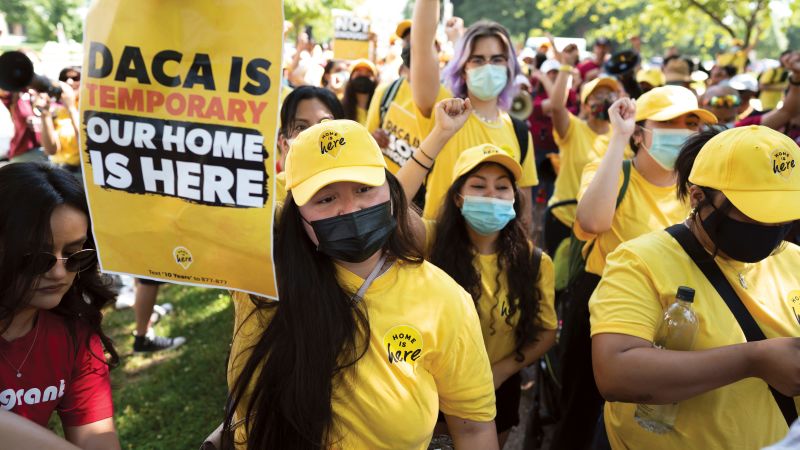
[(791, 61), (42, 102), (777, 361), (381, 137), (451, 114), (67, 95), (623, 117), (454, 28)]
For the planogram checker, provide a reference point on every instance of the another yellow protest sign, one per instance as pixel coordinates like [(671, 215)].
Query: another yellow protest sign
[(179, 104), (351, 36)]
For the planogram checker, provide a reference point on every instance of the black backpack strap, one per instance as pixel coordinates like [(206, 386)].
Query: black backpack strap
[(536, 259), (521, 131), (752, 331), (626, 179), (388, 97)]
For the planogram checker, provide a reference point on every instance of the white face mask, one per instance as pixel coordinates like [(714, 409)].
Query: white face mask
[(488, 81), (667, 145)]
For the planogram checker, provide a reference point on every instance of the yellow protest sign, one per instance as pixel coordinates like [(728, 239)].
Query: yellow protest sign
[(350, 36), (179, 104)]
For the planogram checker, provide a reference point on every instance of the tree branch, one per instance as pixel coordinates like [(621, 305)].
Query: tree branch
[(752, 22), (711, 15)]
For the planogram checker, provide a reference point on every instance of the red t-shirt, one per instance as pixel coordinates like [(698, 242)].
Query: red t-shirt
[(55, 376), (24, 138), (586, 67)]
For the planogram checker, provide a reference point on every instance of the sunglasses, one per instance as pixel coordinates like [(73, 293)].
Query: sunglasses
[(725, 101), (39, 263)]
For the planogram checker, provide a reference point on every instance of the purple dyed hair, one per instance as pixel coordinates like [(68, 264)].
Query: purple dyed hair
[(454, 74)]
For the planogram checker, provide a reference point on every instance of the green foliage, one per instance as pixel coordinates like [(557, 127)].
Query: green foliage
[(315, 13), (517, 15), (41, 17)]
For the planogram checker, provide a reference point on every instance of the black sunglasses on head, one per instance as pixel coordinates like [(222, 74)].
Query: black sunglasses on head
[(39, 263)]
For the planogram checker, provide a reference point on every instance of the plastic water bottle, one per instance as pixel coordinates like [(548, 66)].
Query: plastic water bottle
[(677, 331)]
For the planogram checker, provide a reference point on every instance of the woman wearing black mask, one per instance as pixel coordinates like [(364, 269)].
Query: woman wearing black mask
[(359, 90), (734, 388), (365, 331)]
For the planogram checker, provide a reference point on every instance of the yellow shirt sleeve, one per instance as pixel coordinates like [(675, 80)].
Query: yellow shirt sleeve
[(529, 175), (462, 371), (374, 110), (546, 282), (626, 301)]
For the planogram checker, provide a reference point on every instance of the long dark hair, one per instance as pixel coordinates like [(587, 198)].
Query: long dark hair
[(292, 101), (29, 193), (454, 253), (350, 102), (316, 333)]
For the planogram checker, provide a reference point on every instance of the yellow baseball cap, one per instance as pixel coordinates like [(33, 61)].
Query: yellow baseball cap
[(757, 168), (598, 82), (652, 76), (329, 152), (473, 156), (668, 102), (402, 27), (363, 64)]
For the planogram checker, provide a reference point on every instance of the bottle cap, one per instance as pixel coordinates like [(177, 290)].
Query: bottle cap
[(685, 293)]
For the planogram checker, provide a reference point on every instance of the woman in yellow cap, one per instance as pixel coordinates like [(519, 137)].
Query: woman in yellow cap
[(732, 390), (356, 354), (619, 201), (479, 239), (483, 69)]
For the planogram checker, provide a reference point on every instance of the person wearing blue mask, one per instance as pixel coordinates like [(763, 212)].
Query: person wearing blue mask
[(619, 201), (478, 238), (482, 69)]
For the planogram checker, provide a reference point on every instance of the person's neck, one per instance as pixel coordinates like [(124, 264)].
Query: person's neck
[(363, 268), (599, 126), (484, 244), (362, 100), (21, 324), (652, 171), (486, 109)]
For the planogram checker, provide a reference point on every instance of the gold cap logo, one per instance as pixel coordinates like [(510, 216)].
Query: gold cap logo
[(182, 256), (783, 163), (331, 143)]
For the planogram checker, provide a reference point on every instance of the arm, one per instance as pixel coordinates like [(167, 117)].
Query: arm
[(558, 102), (791, 103), (22, 434), (100, 435), (450, 116), (596, 207), (630, 369), (424, 62), (50, 143), (470, 435), (503, 369), (70, 103)]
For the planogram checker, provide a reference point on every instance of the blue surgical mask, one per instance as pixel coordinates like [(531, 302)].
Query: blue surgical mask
[(488, 81), (666, 146), (487, 215)]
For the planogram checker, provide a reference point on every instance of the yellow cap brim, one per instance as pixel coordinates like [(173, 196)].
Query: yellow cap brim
[(766, 206), (608, 82), (369, 175), (677, 111), (502, 158)]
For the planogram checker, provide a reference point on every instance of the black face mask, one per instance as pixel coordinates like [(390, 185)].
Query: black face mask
[(356, 236), (362, 85), (742, 241), (405, 55), (600, 110)]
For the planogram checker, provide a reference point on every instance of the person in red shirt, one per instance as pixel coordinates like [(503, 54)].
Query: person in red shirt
[(52, 347), (25, 144), (592, 67)]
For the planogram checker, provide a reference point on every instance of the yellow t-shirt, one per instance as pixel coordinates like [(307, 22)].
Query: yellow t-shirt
[(406, 126), (645, 208), (498, 336), (578, 147), (280, 187), (640, 281), (388, 401), (475, 132), (361, 115), (68, 153)]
